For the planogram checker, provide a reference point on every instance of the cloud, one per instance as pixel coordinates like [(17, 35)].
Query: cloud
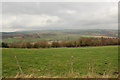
[(67, 11), (38, 15), (25, 20)]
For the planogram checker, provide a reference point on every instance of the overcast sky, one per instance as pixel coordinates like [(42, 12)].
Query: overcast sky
[(18, 16)]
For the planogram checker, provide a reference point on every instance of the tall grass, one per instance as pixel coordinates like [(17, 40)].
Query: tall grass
[(74, 62), (72, 74)]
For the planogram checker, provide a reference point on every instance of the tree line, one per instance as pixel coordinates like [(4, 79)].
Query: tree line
[(81, 42)]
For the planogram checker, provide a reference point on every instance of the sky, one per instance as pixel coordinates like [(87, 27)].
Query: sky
[(20, 16)]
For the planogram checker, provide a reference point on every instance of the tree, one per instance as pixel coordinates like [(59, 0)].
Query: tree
[(55, 44), (4, 45)]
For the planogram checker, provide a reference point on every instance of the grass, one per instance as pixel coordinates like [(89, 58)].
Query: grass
[(62, 37), (62, 62)]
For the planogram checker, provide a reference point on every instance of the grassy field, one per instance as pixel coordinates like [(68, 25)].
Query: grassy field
[(62, 37), (62, 62)]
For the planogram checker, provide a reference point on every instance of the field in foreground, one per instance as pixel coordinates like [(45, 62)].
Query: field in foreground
[(62, 62)]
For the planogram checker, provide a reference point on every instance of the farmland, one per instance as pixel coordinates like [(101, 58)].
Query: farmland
[(62, 62), (61, 35)]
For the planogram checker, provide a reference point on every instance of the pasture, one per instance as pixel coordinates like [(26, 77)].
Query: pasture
[(61, 37), (61, 62)]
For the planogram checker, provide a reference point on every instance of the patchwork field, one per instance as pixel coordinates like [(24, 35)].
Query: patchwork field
[(61, 62), (61, 35)]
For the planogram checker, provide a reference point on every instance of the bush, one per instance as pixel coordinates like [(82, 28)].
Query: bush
[(75, 43), (4, 45)]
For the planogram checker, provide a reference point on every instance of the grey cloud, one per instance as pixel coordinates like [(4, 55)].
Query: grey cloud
[(87, 15)]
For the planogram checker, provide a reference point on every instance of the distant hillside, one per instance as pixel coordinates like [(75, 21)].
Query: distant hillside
[(55, 35)]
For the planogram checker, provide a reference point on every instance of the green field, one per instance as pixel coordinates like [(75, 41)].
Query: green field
[(62, 37), (62, 62)]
